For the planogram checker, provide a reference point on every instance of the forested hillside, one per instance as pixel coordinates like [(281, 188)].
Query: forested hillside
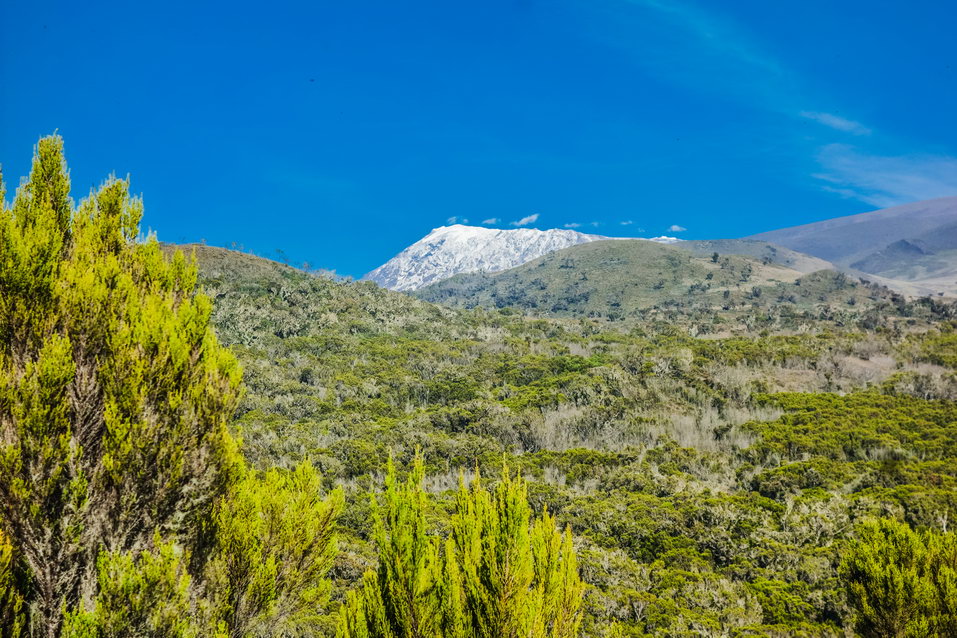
[(711, 465)]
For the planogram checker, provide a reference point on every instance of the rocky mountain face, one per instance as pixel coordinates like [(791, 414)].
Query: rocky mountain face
[(450, 250)]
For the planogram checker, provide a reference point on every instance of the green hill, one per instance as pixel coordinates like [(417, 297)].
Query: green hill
[(735, 466), (759, 250), (640, 279)]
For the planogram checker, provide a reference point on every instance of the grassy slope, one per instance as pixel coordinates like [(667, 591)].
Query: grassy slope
[(704, 500), (631, 279), (759, 250)]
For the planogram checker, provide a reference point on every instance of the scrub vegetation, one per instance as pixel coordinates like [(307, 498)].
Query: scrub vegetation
[(213, 444)]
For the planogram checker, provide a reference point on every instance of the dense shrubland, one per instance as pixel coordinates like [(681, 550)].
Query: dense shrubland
[(712, 470), (725, 465)]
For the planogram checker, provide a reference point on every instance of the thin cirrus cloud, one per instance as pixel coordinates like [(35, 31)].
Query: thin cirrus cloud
[(525, 221), (702, 50), (886, 180), (708, 51), (675, 228), (457, 220), (836, 122), (573, 225), (491, 221)]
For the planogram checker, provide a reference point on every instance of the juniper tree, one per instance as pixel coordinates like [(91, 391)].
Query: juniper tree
[(399, 598), (519, 577), (943, 574), (274, 544), (114, 394), (143, 594), (11, 600)]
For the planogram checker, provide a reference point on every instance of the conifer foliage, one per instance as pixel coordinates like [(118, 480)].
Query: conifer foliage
[(901, 582), (125, 506), (114, 395), (499, 573), (275, 543)]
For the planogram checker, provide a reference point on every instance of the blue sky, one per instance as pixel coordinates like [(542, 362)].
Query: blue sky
[(340, 132)]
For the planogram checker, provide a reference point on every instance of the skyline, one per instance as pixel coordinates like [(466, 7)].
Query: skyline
[(341, 135)]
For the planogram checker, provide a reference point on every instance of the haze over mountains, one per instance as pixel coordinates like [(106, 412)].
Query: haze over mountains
[(910, 248)]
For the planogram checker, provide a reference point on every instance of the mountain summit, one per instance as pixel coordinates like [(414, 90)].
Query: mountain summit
[(449, 250)]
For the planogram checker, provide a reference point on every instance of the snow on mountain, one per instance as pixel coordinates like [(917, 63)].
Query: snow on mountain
[(450, 250)]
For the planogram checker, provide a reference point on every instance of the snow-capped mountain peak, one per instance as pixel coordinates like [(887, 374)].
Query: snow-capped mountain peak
[(449, 250)]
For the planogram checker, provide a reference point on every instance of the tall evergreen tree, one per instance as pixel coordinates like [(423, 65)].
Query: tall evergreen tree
[(122, 494), (139, 594), (114, 400), (114, 394), (399, 599), (11, 600), (943, 574), (519, 578)]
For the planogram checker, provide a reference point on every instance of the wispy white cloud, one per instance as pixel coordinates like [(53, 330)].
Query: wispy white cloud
[(693, 44), (886, 180), (491, 220), (836, 122), (573, 225), (713, 32), (686, 44), (525, 221), (627, 223), (457, 220), (675, 228)]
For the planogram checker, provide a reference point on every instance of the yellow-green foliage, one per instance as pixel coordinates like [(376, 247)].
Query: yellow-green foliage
[(902, 583), (128, 507), (143, 594), (114, 394), (275, 543), (517, 579), (498, 574), (402, 598), (11, 602)]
